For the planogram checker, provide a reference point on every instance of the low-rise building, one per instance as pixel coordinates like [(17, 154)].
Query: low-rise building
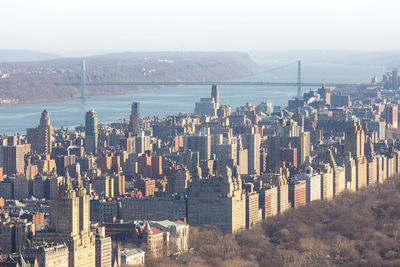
[(132, 256), (54, 255)]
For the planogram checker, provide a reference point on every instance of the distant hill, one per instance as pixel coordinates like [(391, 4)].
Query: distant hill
[(35, 81), (24, 55)]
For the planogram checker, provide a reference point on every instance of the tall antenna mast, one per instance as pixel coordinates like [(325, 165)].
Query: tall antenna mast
[(83, 79), (299, 79)]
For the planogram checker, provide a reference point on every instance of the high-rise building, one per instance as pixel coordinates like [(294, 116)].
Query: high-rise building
[(128, 144), (381, 168), (41, 137), (297, 193), (199, 143), (119, 184), (134, 119), (392, 114), (354, 147), (62, 163), (70, 214), (179, 182), (283, 195), (325, 94), (289, 155), (103, 251), (91, 132), (269, 201), (103, 186), (371, 170), (243, 160), (142, 143), (289, 135), (7, 236), (156, 166), (227, 151), (6, 189), (331, 169), (253, 145), (351, 173), (12, 159), (253, 211), (395, 79), (21, 187), (24, 231), (14, 234), (313, 184), (218, 201), (206, 106), (146, 185), (215, 95), (340, 100), (327, 182), (209, 106)]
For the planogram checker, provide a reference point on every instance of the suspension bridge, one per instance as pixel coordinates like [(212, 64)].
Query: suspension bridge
[(299, 84)]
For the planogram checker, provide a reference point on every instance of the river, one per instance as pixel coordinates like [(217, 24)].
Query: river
[(70, 113)]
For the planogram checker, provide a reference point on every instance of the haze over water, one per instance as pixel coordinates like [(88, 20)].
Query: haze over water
[(70, 113)]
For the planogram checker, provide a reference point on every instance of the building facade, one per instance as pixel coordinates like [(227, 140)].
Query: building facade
[(219, 201)]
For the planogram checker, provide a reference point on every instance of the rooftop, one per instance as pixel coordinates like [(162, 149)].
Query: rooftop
[(131, 251)]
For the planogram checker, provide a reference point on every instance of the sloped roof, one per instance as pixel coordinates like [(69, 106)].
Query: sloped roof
[(156, 231), (165, 223)]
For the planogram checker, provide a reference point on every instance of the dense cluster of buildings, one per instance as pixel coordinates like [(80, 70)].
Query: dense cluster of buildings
[(107, 195)]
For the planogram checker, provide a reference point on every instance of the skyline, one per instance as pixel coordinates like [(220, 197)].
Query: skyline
[(199, 133), (71, 28)]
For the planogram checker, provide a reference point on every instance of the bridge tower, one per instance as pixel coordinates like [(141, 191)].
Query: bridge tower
[(299, 79), (83, 79)]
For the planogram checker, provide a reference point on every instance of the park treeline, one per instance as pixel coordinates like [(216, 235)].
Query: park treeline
[(353, 229)]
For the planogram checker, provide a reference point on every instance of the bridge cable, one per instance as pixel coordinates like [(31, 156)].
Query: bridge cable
[(276, 68)]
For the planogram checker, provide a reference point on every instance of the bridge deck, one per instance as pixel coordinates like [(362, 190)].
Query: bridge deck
[(207, 83)]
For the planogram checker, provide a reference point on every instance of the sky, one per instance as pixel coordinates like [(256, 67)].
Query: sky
[(71, 27)]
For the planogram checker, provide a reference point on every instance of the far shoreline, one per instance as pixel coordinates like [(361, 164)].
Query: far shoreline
[(123, 92), (90, 94)]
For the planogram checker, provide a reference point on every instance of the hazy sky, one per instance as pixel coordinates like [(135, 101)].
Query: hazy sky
[(70, 26)]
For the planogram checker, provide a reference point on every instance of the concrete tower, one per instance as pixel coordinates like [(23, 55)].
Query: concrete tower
[(218, 201), (91, 132), (253, 146), (392, 115), (354, 140), (45, 119), (134, 119), (356, 161), (215, 95), (41, 137), (70, 214)]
